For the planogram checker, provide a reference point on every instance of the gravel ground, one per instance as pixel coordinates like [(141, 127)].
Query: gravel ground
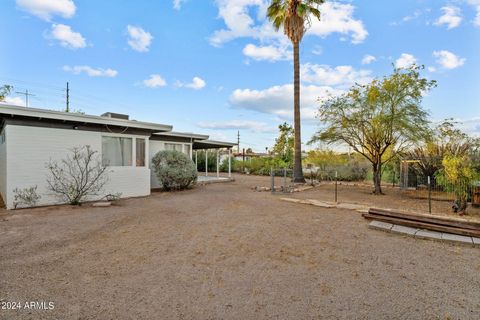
[(392, 199), (223, 251)]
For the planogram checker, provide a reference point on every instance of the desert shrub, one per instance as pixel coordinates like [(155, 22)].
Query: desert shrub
[(236, 165), (174, 170), (77, 177), (457, 176), (27, 197), (352, 171), (212, 161), (262, 166)]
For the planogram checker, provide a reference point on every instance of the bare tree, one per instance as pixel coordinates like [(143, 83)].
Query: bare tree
[(79, 176)]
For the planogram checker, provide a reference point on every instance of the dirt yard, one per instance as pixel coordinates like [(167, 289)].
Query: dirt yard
[(392, 199), (223, 251)]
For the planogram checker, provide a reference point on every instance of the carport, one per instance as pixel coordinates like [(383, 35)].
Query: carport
[(213, 146)]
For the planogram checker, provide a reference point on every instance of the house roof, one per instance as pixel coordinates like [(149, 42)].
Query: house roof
[(212, 144), (182, 135), (11, 110)]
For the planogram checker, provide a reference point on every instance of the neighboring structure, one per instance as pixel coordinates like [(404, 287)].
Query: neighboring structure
[(30, 138)]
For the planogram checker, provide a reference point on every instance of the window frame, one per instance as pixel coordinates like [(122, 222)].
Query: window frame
[(134, 148)]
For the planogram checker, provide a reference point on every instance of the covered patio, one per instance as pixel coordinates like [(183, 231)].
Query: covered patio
[(216, 148)]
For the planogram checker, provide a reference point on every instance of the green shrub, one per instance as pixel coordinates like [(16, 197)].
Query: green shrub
[(352, 171), (174, 170), (212, 161)]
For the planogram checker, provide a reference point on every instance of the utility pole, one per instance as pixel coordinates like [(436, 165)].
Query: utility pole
[(26, 96), (238, 141), (67, 109)]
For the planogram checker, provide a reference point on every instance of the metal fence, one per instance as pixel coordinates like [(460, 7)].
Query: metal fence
[(281, 180)]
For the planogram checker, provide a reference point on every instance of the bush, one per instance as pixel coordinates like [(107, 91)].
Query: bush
[(27, 197), (212, 161), (174, 170), (78, 177)]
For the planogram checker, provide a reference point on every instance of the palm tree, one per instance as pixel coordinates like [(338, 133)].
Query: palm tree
[(294, 16)]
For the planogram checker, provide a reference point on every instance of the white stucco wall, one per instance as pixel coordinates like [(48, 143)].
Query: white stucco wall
[(156, 146), (30, 148)]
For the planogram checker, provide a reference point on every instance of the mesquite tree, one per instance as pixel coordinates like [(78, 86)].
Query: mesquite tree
[(379, 119), (77, 177)]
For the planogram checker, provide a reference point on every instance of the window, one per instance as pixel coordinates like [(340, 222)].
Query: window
[(186, 149), (140, 144), (116, 151), (174, 146)]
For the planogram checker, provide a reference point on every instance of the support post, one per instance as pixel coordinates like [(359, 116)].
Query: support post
[(196, 160), (218, 163), (206, 162), (229, 163)]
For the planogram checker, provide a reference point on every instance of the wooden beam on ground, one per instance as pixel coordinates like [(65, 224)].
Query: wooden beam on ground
[(445, 221), (423, 225)]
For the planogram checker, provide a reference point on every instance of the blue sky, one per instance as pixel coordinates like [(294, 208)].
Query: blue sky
[(216, 67)]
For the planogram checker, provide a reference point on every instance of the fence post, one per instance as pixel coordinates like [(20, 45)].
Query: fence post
[(284, 180), (336, 188), (393, 179), (429, 195), (273, 180)]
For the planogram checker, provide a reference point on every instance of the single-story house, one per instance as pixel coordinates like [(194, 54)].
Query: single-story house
[(30, 138)]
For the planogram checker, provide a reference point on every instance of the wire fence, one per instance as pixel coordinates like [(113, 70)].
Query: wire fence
[(281, 180), (415, 192)]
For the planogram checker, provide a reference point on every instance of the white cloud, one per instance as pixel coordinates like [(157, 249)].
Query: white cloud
[(91, 72), (476, 5), (278, 100), (269, 53), (254, 126), (342, 76), (240, 21), (368, 58), (406, 60), (196, 84), (317, 50), (139, 39), (177, 4), (16, 101), (338, 18), (448, 60), (66, 36), (155, 81), (47, 9), (451, 17), (432, 69)]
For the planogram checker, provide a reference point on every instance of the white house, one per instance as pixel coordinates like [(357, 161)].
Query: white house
[(30, 138)]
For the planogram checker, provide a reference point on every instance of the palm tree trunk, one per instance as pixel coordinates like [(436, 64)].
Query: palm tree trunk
[(297, 163)]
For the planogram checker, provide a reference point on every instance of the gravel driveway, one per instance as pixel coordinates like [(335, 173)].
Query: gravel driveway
[(222, 251)]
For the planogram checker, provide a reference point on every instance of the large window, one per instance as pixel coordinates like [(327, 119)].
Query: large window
[(117, 151), (174, 146), (186, 149), (140, 144)]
